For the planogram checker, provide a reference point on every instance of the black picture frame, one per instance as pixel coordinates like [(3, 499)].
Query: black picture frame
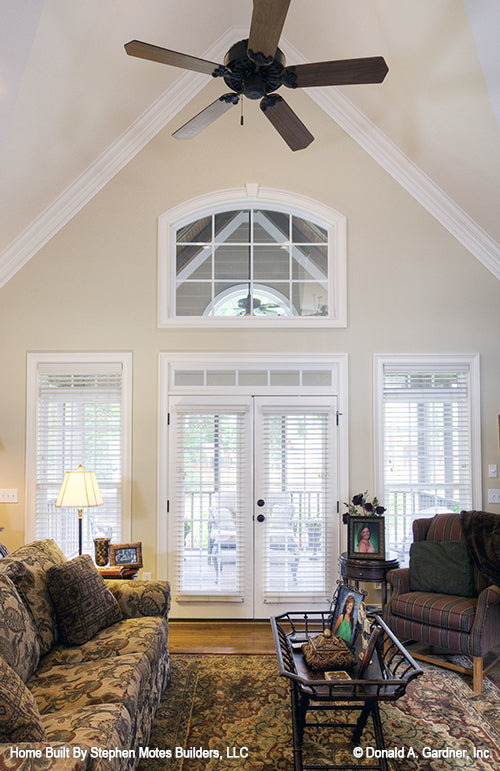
[(345, 594), (376, 538), (369, 651), (126, 554)]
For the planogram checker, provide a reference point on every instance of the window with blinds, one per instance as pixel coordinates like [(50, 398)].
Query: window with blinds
[(297, 454), (79, 420), (427, 445), (211, 505)]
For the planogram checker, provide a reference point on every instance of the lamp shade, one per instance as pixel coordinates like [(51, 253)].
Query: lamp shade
[(79, 490)]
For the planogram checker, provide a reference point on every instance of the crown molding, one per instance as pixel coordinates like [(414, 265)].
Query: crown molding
[(186, 87), (109, 163), (404, 171)]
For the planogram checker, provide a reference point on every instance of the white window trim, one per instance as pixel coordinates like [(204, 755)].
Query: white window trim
[(252, 194), (169, 361), (430, 360), (33, 362)]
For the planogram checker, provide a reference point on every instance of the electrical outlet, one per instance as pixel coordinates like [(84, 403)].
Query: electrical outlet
[(8, 495), (494, 496), (146, 576)]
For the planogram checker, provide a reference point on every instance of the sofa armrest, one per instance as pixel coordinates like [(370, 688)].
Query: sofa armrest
[(399, 580), (41, 756), (141, 598)]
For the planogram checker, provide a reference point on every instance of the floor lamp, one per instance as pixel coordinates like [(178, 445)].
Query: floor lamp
[(79, 490)]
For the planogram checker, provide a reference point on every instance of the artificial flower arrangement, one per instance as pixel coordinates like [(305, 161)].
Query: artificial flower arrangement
[(360, 506)]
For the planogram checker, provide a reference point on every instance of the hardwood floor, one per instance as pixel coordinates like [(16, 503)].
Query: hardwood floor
[(230, 637)]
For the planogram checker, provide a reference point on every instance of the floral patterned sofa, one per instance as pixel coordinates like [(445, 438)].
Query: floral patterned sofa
[(83, 662)]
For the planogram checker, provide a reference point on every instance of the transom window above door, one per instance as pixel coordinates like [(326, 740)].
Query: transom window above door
[(261, 262)]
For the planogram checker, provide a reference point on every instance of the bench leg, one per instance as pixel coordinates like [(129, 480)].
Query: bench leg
[(361, 722), (379, 734), (299, 705)]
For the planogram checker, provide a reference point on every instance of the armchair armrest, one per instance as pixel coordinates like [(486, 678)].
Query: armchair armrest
[(141, 598), (399, 580), (489, 596), (485, 632)]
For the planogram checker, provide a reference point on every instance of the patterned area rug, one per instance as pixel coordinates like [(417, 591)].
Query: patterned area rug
[(232, 712)]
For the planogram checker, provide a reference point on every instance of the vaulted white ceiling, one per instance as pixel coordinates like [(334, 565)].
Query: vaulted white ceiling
[(74, 108)]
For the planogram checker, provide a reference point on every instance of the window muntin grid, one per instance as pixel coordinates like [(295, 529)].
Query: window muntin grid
[(252, 262)]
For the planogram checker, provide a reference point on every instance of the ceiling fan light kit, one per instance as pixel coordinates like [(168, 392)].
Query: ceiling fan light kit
[(256, 68)]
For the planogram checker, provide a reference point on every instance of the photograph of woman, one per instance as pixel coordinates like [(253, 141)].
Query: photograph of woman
[(345, 623), (365, 544)]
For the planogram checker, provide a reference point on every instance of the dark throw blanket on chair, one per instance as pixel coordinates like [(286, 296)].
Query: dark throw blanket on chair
[(482, 534)]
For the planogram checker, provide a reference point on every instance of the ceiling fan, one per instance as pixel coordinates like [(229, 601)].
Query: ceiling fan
[(255, 68)]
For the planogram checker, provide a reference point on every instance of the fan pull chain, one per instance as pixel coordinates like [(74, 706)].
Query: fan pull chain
[(242, 121)]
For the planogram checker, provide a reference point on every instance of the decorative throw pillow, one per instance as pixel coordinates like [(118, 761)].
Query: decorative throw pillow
[(19, 714), (83, 603), (44, 553), (31, 583), (443, 567), (18, 639)]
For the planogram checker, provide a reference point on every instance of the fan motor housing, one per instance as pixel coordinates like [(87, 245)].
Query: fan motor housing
[(247, 77)]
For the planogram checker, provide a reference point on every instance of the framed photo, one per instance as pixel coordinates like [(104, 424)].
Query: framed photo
[(370, 649), (126, 555), (366, 538), (346, 604)]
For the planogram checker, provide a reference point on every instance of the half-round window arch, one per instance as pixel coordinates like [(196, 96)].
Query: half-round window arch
[(252, 256), (238, 300)]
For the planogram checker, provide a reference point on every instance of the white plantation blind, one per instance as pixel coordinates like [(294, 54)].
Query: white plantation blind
[(79, 420), (427, 445), (298, 462), (211, 502)]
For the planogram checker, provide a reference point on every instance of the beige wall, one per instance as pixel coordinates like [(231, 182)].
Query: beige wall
[(411, 288)]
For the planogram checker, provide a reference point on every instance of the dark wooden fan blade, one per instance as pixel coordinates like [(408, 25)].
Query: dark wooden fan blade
[(164, 56), (286, 122), (372, 69), (268, 17), (206, 117)]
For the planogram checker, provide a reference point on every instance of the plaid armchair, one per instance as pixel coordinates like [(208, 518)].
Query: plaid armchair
[(467, 625)]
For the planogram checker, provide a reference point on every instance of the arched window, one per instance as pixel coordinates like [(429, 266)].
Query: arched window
[(250, 300), (252, 256)]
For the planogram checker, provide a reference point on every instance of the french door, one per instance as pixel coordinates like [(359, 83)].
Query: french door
[(253, 518)]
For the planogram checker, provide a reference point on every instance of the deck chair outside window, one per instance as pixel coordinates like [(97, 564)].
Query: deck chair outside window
[(222, 531), (282, 542)]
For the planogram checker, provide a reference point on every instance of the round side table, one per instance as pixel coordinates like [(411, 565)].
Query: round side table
[(373, 570)]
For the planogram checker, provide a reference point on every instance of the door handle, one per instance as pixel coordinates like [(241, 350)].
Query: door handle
[(260, 518)]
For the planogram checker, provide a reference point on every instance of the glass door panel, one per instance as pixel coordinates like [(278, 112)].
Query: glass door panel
[(210, 508), (295, 503)]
